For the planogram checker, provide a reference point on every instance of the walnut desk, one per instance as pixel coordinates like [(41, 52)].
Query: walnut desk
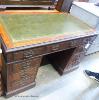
[(26, 36)]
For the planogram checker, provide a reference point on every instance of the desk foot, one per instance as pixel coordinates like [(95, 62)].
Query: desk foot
[(70, 70), (12, 93)]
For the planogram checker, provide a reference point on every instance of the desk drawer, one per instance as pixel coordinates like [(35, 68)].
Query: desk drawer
[(24, 54), (65, 45), (23, 65), (60, 46)]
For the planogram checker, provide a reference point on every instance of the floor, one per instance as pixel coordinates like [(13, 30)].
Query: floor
[(72, 86)]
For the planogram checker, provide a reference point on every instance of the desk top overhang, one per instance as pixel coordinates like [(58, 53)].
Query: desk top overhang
[(32, 28)]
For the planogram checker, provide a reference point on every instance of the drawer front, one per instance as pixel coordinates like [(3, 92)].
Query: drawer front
[(28, 53), (61, 46), (55, 47), (22, 73), (18, 66), (25, 54)]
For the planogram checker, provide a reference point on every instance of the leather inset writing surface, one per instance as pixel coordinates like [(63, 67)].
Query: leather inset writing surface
[(22, 29)]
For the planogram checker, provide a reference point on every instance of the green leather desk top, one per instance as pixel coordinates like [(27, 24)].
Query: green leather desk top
[(26, 27)]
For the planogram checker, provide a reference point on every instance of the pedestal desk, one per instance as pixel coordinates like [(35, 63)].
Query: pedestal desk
[(27, 36)]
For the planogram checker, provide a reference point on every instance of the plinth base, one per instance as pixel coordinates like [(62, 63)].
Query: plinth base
[(12, 93)]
